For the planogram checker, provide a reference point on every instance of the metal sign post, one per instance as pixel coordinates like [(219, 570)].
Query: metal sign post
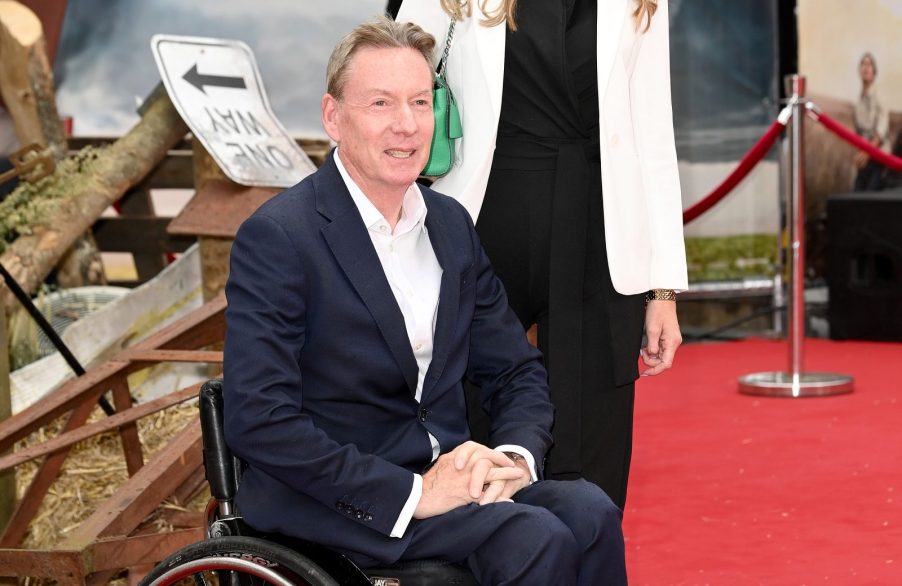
[(216, 87), (795, 382)]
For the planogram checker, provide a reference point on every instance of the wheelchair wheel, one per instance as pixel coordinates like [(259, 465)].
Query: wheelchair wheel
[(237, 561)]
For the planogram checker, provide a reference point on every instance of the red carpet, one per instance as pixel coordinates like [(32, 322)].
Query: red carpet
[(729, 489)]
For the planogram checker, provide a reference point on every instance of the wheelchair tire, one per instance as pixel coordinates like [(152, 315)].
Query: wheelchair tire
[(232, 561)]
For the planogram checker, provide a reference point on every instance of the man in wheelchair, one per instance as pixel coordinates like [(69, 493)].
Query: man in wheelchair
[(358, 302)]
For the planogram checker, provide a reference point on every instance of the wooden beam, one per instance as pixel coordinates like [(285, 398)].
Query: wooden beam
[(123, 552), (41, 483), (203, 326), (128, 431), (87, 387), (70, 438), (143, 492), (66, 567), (138, 235), (7, 478), (153, 356), (192, 487)]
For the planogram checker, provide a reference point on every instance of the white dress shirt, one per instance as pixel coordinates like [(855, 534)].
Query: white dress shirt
[(414, 274)]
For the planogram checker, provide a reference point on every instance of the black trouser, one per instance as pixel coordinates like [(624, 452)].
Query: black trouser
[(516, 225)]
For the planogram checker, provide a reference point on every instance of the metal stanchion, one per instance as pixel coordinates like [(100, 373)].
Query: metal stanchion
[(794, 382)]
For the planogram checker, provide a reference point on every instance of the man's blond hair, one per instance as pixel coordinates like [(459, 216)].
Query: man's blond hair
[(382, 33)]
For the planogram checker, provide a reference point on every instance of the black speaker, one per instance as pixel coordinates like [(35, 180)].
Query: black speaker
[(864, 265)]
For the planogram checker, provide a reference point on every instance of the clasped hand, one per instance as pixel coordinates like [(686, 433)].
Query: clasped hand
[(471, 473)]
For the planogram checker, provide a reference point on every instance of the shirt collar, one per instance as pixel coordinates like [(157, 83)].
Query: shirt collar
[(413, 208)]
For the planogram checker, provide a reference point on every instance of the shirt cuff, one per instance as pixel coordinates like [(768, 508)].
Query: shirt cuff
[(526, 454), (416, 491)]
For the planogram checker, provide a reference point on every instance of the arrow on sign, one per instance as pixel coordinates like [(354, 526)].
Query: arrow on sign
[(199, 80)]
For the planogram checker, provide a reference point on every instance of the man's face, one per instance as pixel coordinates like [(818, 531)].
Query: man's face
[(383, 123)]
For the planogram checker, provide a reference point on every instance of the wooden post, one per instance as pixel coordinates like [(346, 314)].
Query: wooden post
[(214, 250), (7, 477), (26, 80)]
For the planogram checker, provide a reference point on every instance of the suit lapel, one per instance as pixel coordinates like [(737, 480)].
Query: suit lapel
[(449, 294), (347, 237)]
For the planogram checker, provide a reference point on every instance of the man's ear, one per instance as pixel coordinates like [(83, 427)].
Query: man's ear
[(330, 117)]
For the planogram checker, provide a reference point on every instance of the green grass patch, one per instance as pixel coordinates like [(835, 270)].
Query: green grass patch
[(719, 258)]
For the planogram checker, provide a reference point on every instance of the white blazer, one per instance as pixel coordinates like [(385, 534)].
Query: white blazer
[(640, 182)]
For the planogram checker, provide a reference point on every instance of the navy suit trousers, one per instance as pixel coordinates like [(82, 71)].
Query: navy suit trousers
[(562, 533)]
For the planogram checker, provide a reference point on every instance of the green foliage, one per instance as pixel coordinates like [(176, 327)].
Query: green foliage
[(31, 204), (720, 258)]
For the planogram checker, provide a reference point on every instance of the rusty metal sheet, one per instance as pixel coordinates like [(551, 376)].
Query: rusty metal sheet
[(218, 208)]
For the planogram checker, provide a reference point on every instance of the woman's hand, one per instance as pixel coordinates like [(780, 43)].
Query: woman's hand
[(663, 334)]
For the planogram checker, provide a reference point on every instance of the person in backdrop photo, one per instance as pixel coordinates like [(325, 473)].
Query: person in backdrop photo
[(568, 166), (871, 121), (358, 302)]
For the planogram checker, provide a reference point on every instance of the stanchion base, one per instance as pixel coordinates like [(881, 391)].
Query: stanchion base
[(807, 384)]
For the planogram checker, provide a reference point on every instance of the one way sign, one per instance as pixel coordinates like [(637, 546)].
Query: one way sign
[(215, 86)]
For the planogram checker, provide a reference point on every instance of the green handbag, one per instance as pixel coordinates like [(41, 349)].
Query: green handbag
[(447, 120)]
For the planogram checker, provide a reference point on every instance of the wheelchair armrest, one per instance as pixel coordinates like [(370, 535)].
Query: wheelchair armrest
[(219, 465)]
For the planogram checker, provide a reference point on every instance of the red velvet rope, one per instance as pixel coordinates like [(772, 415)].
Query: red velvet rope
[(751, 158), (894, 163)]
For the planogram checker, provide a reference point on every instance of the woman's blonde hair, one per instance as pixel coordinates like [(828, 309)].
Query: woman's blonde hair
[(458, 9)]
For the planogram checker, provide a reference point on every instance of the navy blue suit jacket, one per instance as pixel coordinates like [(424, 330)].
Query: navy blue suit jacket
[(320, 376)]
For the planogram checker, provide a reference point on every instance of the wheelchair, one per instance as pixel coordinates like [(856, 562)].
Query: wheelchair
[(234, 554)]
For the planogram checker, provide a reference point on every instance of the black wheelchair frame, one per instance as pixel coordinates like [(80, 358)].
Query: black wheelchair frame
[(235, 554)]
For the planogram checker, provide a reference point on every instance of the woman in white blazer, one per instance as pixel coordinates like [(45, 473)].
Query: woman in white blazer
[(568, 166)]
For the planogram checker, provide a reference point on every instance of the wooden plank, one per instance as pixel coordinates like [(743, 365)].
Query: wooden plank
[(143, 492), (123, 552), (136, 201), (192, 487), (128, 431), (138, 234), (137, 573), (70, 438), (87, 387), (100, 578), (202, 327), (165, 355), (42, 481), (176, 171), (66, 567), (8, 478)]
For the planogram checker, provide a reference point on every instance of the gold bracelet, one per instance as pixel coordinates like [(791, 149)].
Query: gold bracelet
[(660, 295)]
